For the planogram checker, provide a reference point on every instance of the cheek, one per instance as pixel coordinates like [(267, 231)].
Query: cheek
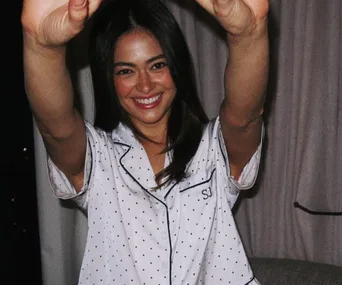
[(170, 83), (167, 81), (123, 87)]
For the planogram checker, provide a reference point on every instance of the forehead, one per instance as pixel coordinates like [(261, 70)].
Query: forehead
[(137, 44)]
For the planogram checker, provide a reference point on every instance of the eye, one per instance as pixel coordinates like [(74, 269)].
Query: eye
[(159, 65), (123, 72)]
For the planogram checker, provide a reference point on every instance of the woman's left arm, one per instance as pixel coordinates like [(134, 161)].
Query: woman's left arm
[(246, 75)]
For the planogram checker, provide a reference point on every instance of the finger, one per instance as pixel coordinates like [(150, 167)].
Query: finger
[(226, 3), (229, 8), (207, 5), (78, 12), (223, 5), (93, 5)]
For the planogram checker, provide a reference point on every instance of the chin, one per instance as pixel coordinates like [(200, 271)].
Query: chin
[(151, 120)]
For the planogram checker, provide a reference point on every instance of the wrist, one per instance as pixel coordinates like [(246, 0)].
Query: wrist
[(248, 48), (258, 32), (33, 45)]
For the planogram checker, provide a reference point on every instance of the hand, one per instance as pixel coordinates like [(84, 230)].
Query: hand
[(53, 23), (237, 17)]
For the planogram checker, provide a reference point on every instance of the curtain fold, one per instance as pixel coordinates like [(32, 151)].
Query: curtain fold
[(299, 198), (302, 160)]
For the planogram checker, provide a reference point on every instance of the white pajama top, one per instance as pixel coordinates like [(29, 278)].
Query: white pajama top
[(183, 233)]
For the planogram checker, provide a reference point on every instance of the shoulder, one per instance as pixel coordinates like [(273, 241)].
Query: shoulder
[(121, 135), (212, 130), (212, 137), (96, 133), (210, 144)]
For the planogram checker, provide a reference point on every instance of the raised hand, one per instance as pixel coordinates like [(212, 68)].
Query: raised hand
[(54, 23), (237, 17)]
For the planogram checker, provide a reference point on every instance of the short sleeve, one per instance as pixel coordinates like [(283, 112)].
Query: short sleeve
[(249, 174), (60, 184), (250, 171)]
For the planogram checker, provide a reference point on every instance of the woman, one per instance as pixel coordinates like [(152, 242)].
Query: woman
[(154, 175)]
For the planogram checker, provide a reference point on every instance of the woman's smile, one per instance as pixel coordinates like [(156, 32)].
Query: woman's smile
[(142, 79), (148, 102)]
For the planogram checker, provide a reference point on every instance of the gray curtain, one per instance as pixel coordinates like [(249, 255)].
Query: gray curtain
[(295, 209), (303, 157)]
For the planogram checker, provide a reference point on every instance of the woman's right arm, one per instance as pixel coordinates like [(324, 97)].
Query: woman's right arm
[(48, 26)]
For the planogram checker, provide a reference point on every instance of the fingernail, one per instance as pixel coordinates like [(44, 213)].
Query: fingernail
[(79, 3)]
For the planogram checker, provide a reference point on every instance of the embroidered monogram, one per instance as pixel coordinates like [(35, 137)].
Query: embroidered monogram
[(207, 193)]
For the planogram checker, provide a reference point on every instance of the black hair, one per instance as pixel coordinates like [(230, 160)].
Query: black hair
[(187, 117)]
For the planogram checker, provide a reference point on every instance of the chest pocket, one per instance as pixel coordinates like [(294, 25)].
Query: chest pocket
[(198, 194), (199, 184), (198, 200)]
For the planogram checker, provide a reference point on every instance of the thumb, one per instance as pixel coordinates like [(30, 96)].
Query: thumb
[(78, 13)]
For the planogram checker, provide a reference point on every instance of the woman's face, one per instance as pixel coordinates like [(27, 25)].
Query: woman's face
[(142, 79)]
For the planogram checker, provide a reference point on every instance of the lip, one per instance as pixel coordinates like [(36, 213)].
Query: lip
[(148, 106)]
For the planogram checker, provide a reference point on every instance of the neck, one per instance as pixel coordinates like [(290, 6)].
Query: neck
[(156, 133)]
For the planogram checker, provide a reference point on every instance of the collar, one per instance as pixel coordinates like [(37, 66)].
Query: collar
[(134, 160)]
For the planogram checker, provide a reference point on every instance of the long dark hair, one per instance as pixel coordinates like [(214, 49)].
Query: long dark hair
[(187, 117)]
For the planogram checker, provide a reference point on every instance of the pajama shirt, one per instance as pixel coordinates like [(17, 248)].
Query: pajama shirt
[(183, 233)]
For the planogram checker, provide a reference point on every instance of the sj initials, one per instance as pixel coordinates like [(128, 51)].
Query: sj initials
[(207, 193)]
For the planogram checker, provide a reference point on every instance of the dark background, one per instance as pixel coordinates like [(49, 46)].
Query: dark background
[(20, 252)]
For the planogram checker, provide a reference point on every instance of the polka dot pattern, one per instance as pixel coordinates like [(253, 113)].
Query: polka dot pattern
[(183, 233)]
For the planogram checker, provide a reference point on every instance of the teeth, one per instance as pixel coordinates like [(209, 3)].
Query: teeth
[(147, 101)]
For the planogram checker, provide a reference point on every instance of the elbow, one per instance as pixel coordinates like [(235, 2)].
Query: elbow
[(60, 130), (240, 120)]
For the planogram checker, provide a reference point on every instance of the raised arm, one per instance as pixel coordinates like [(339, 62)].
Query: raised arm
[(246, 75), (48, 26)]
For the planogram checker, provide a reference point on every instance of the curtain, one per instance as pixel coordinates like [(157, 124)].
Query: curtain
[(295, 208)]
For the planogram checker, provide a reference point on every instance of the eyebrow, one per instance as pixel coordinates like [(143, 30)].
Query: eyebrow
[(122, 63)]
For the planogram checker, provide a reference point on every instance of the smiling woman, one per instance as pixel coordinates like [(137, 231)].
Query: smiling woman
[(143, 82), (145, 90), (155, 177), (148, 58)]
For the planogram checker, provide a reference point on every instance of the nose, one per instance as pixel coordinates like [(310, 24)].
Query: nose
[(145, 83)]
